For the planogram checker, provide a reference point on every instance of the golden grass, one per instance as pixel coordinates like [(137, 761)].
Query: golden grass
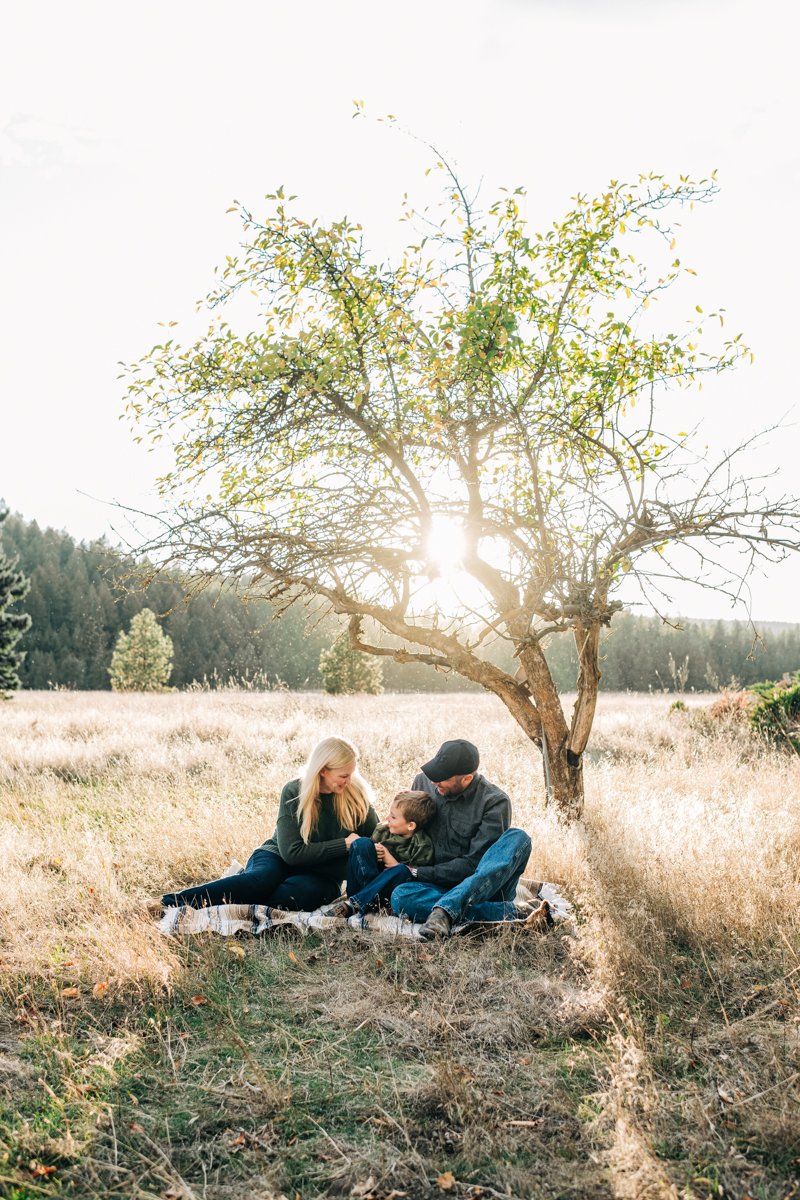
[(683, 969), (106, 800)]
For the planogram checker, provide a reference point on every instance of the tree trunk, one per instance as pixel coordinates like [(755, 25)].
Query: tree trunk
[(563, 753), (563, 772), (587, 643), (563, 781)]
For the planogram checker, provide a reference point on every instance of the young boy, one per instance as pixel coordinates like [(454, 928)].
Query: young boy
[(403, 834), (375, 867)]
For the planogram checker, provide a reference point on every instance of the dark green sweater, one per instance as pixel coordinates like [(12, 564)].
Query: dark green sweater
[(325, 852)]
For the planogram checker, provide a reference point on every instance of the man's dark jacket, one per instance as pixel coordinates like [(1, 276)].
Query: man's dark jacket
[(463, 828)]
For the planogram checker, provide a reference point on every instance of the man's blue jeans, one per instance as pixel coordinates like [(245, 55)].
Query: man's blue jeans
[(367, 880), (488, 895)]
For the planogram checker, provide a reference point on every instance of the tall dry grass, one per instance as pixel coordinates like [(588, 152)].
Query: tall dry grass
[(106, 800), (678, 983)]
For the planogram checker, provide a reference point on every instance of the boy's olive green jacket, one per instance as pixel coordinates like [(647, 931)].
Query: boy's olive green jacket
[(414, 851)]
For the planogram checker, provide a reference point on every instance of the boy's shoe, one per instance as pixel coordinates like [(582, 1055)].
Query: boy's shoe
[(340, 908), (154, 909), (438, 925), (536, 916)]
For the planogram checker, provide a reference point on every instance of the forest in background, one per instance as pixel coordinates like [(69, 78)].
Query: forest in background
[(83, 594)]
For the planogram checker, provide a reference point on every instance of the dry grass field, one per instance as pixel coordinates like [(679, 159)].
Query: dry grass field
[(653, 1050)]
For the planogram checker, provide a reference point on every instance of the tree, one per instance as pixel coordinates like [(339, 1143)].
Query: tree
[(346, 671), (462, 447), (13, 588), (142, 658)]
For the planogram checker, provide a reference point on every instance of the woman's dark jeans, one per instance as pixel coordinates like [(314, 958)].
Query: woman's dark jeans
[(266, 879), (367, 880)]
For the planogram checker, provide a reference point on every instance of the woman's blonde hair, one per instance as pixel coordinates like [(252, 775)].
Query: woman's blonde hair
[(351, 806)]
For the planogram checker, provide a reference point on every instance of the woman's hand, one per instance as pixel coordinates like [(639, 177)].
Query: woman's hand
[(351, 837)]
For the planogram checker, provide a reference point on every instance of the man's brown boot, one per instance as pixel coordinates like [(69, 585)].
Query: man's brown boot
[(438, 925)]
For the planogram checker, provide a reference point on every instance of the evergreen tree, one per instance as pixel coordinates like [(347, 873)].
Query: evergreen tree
[(142, 659), (346, 671), (13, 587)]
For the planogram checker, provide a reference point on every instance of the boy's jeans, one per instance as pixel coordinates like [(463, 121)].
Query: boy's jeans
[(367, 880), (488, 895)]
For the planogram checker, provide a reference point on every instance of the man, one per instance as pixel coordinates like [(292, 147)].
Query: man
[(478, 858)]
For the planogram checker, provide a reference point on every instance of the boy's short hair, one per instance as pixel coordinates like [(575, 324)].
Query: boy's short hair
[(418, 807)]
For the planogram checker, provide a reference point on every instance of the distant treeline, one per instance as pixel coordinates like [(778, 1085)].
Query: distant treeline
[(643, 654), (83, 594)]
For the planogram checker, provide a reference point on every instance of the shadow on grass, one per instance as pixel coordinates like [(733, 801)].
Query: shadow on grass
[(707, 1075), (342, 1065), (323, 1067)]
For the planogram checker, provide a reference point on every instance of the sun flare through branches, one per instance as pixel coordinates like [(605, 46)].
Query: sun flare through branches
[(445, 546)]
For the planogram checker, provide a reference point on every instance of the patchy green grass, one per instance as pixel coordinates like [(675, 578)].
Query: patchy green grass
[(338, 1066), (316, 1066)]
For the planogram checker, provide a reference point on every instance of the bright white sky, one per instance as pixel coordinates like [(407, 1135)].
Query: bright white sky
[(126, 132)]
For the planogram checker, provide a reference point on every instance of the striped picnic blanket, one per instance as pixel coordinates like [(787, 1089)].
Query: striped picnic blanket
[(258, 919)]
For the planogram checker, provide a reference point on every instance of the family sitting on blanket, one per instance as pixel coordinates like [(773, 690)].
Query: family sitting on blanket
[(324, 834)]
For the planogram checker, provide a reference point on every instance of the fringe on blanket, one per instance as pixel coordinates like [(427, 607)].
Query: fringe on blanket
[(257, 919)]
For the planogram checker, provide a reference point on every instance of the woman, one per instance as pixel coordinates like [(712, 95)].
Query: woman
[(304, 862)]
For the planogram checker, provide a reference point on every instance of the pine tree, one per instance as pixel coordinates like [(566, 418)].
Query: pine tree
[(13, 587), (142, 659), (346, 671)]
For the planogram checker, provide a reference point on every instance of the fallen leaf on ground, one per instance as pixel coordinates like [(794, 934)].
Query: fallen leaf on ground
[(446, 1181), (38, 1169), (198, 1000), (69, 993), (99, 990), (364, 1188)]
